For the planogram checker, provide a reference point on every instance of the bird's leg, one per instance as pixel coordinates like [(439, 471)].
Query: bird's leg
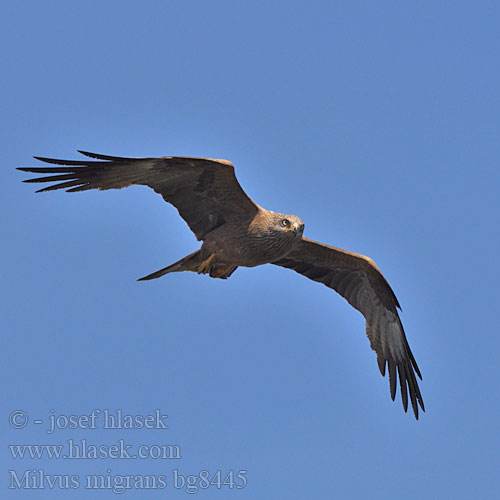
[(222, 271), (204, 267)]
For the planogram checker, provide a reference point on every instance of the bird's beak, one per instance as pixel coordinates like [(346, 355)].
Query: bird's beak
[(295, 228)]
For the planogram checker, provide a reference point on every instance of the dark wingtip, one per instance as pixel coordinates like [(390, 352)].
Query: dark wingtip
[(45, 159), (381, 365), (87, 153), (98, 156), (421, 402)]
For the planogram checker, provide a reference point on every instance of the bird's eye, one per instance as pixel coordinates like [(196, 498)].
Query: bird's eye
[(285, 223)]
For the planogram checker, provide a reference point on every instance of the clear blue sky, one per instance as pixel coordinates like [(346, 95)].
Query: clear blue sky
[(376, 122)]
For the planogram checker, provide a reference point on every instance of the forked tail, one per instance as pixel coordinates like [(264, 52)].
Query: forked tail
[(194, 263), (188, 263)]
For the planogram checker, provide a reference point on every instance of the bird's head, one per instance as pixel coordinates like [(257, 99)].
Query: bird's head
[(288, 224)]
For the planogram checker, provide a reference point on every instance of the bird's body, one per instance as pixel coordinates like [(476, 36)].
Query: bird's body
[(264, 240), (247, 242), (235, 232)]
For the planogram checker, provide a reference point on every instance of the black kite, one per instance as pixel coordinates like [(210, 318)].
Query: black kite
[(237, 232)]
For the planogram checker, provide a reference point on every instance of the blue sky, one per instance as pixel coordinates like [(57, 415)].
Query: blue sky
[(376, 122)]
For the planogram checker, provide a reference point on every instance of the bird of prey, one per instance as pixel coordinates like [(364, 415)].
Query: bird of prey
[(235, 231)]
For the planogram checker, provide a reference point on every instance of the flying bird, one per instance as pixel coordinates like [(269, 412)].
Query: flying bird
[(235, 231)]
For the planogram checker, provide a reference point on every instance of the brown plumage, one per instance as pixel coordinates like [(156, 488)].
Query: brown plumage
[(237, 232)]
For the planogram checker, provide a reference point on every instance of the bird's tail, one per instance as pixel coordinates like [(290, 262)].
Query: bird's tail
[(188, 263)]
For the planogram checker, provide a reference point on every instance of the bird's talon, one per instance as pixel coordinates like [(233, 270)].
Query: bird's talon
[(206, 265)]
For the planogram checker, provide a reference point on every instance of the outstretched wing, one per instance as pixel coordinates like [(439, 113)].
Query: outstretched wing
[(359, 281), (205, 192)]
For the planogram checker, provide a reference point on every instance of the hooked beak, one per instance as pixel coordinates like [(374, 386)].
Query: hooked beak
[(297, 228)]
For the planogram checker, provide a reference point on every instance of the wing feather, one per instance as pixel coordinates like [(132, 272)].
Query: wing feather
[(205, 191), (360, 282)]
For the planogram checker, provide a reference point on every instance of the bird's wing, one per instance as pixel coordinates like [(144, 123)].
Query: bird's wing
[(359, 281), (205, 192)]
